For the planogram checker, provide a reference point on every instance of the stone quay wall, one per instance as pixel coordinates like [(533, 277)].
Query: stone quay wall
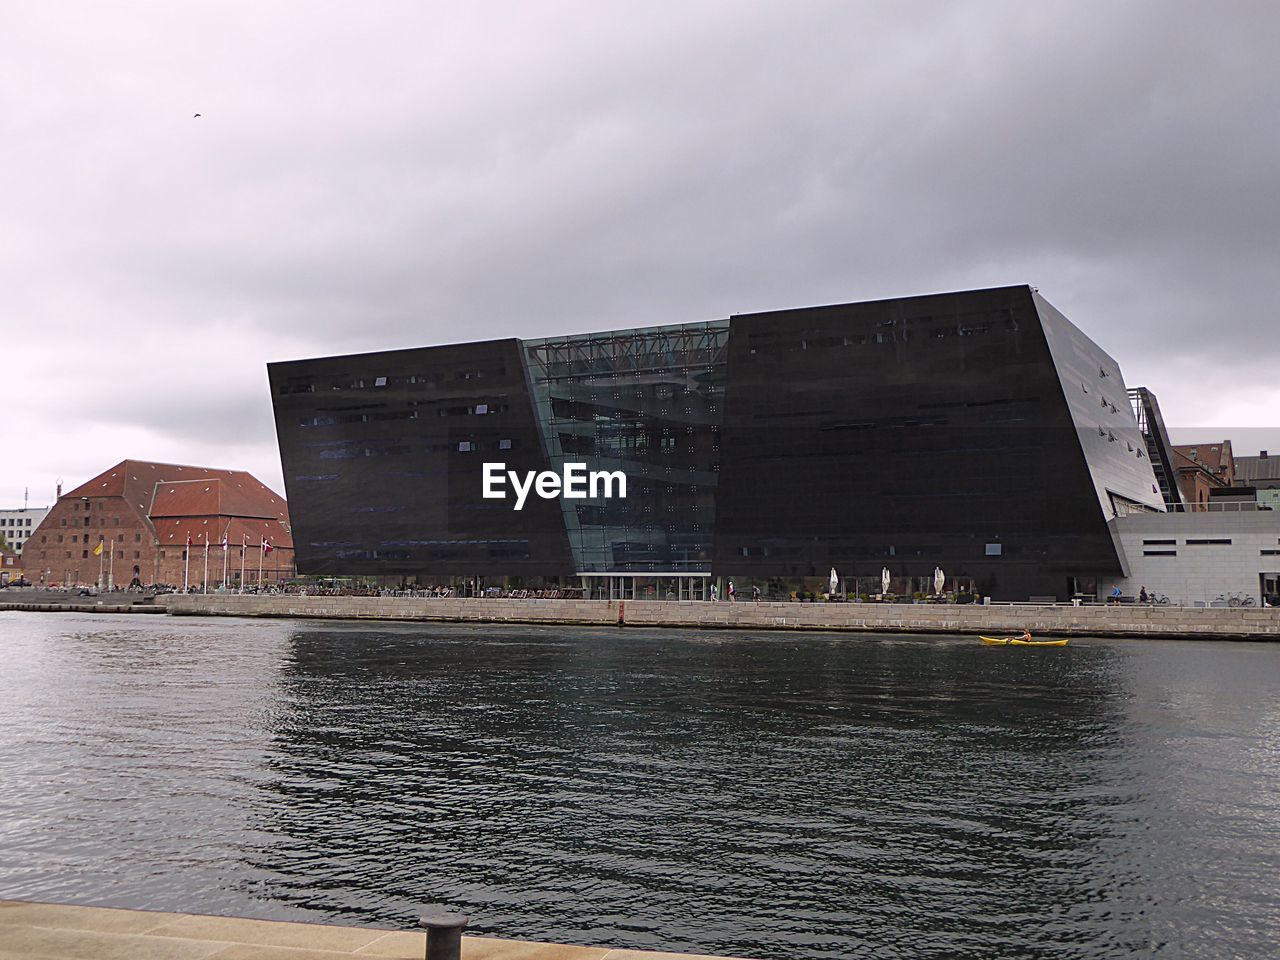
[(1227, 623)]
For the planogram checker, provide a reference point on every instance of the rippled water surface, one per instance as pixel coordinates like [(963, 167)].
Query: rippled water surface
[(761, 795)]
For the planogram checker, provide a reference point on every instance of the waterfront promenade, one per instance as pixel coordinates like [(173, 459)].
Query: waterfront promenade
[(46, 931), (1129, 620)]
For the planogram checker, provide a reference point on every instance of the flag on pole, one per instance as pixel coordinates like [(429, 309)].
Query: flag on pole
[(266, 545), (224, 542), (97, 551)]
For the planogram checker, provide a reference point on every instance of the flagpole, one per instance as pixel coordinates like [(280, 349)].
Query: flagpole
[(186, 565), (262, 550), (111, 568), (204, 587), (99, 564), (244, 548), (223, 585)]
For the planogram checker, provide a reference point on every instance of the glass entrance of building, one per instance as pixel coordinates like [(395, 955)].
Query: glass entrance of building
[(648, 586)]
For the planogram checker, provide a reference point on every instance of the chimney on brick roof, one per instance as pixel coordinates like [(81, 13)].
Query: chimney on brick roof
[(1262, 455)]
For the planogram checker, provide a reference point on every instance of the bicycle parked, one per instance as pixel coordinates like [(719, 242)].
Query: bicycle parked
[(1235, 600)]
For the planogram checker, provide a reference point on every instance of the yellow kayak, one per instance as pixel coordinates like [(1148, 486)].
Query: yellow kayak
[(1019, 642)]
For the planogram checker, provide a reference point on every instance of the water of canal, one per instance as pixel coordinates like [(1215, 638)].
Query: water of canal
[(753, 794)]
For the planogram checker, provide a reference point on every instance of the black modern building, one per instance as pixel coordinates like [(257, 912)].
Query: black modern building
[(980, 432)]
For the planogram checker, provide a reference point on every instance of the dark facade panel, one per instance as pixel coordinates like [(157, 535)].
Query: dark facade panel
[(382, 455), (905, 433)]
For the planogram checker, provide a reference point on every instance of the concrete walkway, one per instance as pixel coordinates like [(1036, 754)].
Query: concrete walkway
[(47, 931)]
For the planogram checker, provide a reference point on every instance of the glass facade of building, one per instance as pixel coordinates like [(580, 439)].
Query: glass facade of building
[(650, 403), (977, 431)]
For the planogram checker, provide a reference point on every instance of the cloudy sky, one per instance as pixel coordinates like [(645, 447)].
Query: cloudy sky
[(370, 176)]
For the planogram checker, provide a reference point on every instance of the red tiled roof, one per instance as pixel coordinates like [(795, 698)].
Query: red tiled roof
[(176, 490), (239, 495), (1184, 464), (187, 498), (1217, 457)]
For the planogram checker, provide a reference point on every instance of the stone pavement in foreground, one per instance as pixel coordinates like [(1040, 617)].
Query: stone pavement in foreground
[(47, 931)]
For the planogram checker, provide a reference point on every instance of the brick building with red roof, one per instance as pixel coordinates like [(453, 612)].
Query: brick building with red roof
[(146, 514), (1196, 480)]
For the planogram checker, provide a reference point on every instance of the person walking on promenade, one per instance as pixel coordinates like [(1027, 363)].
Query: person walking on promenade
[(733, 594), (755, 593), (715, 593), (1142, 595)]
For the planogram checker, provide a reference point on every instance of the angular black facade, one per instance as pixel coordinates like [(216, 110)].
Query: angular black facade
[(383, 451), (977, 431)]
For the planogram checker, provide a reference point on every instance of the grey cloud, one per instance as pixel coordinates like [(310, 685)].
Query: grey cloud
[(417, 174)]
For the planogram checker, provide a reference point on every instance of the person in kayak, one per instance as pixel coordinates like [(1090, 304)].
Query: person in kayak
[(1026, 635)]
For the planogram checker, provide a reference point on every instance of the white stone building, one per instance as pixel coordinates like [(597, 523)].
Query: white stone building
[(18, 523), (1198, 558)]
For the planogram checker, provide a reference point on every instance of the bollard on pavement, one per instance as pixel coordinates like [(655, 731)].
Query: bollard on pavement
[(444, 934)]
